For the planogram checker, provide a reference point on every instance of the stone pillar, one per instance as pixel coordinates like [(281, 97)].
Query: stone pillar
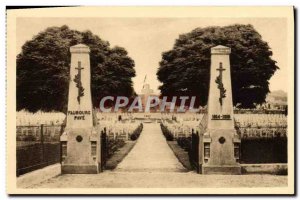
[(81, 139), (221, 144)]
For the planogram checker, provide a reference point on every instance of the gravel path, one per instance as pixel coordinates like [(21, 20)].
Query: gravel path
[(151, 153)]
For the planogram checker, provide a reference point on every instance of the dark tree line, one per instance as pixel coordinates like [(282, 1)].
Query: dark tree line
[(44, 63), (184, 70)]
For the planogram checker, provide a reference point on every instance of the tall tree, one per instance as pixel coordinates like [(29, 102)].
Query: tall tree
[(44, 63), (184, 70)]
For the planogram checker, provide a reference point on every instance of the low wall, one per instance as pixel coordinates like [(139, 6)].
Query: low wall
[(264, 150)]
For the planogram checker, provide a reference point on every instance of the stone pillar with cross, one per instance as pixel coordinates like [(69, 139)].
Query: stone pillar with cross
[(81, 139), (220, 151)]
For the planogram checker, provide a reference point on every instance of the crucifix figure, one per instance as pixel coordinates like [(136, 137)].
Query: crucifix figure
[(78, 82), (219, 81)]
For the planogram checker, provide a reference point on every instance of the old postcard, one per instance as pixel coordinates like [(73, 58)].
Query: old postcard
[(150, 100)]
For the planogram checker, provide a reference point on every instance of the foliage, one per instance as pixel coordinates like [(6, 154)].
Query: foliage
[(167, 133), (136, 133), (184, 70), (44, 63)]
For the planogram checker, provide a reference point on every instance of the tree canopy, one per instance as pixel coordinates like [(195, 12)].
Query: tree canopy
[(185, 70), (43, 69)]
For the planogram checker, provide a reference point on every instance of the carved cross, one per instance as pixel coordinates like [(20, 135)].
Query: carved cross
[(78, 82), (219, 81)]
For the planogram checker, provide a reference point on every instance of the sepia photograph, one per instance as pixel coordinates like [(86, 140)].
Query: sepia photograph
[(150, 100)]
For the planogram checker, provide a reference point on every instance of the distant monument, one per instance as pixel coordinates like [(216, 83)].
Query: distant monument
[(146, 92), (220, 145), (81, 139)]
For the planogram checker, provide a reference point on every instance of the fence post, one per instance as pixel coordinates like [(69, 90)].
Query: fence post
[(60, 143), (102, 150), (42, 143), (198, 165), (192, 147)]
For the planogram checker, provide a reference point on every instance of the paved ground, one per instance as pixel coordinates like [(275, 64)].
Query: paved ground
[(152, 164), (161, 180)]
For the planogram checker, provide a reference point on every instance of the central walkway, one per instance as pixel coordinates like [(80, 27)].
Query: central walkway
[(151, 153)]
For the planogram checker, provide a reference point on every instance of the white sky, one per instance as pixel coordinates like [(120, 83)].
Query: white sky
[(146, 38)]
